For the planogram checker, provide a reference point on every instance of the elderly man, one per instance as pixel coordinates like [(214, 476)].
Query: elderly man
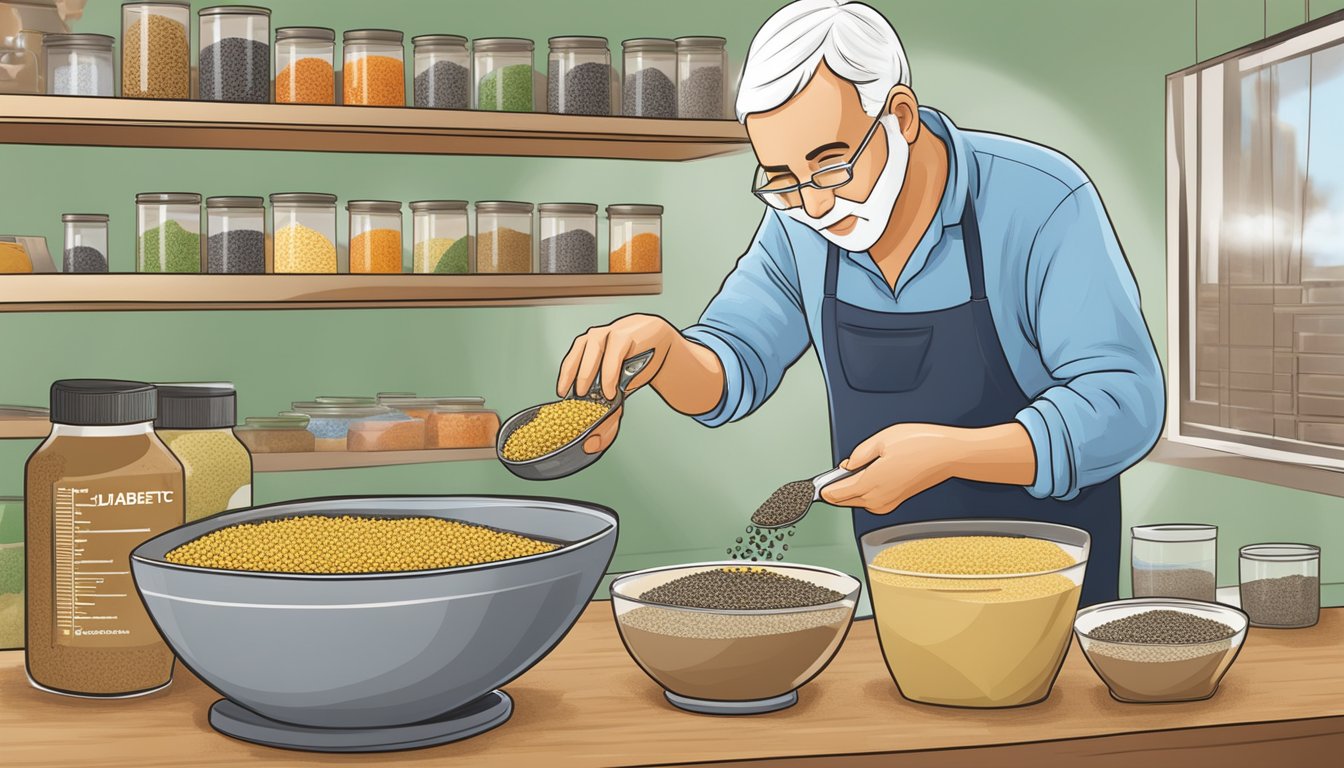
[(975, 318)]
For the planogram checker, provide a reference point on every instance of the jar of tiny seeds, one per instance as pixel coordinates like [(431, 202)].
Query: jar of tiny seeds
[(237, 236), (156, 50), (441, 242), (304, 227), (79, 65), (168, 232), (636, 238), (85, 242), (568, 238), (374, 74), (578, 76), (503, 71), (305, 68), (375, 236), (650, 88), (235, 59), (1281, 584), (702, 66), (503, 237), (442, 72), (1175, 560)]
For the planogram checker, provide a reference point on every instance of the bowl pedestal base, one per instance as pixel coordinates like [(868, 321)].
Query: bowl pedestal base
[(489, 711), (711, 707)]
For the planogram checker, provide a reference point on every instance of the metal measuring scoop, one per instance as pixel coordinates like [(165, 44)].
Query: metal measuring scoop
[(791, 501), (571, 457)]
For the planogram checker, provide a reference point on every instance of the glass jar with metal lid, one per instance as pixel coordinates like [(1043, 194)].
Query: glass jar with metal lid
[(503, 237), (503, 70), (578, 76), (421, 407), (303, 227), (374, 74), (237, 236), (305, 65), (441, 242), (168, 232), (375, 236), (85, 242), (330, 422), (568, 238), (80, 65), (1281, 584), (156, 50), (636, 238), (235, 59), (650, 84), (702, 71), (470, 425), (442, 72), (286, 433)]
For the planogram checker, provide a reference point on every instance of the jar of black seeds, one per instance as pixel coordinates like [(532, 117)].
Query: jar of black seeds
[(568, 238), (702, 65), (650, 83), (237, 236), (235, 59), (578, 76), (442, 72), (85, 242)]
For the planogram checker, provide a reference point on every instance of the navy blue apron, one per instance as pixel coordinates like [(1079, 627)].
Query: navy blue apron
[(947, 367)]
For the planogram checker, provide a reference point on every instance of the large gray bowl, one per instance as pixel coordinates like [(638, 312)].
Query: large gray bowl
[(377, 650)]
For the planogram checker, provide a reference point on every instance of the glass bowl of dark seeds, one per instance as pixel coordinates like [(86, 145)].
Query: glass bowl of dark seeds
[(729, 638), (1153, 650)]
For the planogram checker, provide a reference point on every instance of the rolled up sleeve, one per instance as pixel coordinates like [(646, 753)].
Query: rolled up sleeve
[(755, 324), (1082, 308)]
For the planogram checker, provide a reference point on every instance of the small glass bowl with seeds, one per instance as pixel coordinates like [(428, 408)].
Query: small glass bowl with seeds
[(1150, 650), (732, 638)]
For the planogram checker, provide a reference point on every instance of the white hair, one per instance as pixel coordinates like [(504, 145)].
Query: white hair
[(855, 40)]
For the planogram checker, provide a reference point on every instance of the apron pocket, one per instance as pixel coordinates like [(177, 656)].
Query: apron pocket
[(883, 359)]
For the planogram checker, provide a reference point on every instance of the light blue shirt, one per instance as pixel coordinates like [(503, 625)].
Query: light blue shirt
[(1064, 303)]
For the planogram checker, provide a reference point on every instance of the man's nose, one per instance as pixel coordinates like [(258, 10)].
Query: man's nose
[(818, 202)]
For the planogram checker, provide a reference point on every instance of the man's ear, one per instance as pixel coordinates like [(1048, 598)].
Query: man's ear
[(901, 102)]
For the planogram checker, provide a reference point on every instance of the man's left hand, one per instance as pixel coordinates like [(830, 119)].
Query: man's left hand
[(894, 465)]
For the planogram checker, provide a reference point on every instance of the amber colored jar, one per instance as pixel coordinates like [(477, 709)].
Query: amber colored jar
[(101, 470)]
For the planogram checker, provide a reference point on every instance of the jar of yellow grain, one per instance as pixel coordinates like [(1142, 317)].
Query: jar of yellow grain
[(303, 226), (196, 423), (441, 242)]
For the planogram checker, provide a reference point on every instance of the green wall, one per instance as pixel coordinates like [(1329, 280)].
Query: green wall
[(1084, 77)]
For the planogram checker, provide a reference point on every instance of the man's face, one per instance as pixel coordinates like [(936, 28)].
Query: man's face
[(822, 126)]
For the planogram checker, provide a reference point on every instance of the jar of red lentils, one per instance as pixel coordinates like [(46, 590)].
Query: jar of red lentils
[(375, 72), (375, 236), (636, 238), (305, 68)]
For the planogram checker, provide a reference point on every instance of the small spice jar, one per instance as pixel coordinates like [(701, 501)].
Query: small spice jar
[(237, 236), (305, 65), (329, 420), (168, 232), (375, 236), (85, 242), (156, 50), (395, 433), (702, 66), (286, 433), (503, 69), (467, 425), (79, 65), (11, 573), (303, 226), (578, 76), (1174, 561), (650, 88), (442, 72), (374, 74), (421, 407), (235, 59), (636, 238), (1281, 584), (503, 237), (441, 242), (196, 423), (568, 238)]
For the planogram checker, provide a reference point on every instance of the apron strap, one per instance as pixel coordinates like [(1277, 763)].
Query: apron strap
[(970, 241), (832, 269)]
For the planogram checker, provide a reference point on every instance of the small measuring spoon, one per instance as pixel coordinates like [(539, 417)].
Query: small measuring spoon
[(791, 501)]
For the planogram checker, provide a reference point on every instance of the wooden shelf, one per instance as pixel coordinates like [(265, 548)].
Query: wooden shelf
[(24, 429), (302, 462), (123, 292), (115, 122)]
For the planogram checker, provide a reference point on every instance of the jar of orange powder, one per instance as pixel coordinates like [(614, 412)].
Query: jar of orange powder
[(636, 238), (375, 72), (375, 236), (305, 69)]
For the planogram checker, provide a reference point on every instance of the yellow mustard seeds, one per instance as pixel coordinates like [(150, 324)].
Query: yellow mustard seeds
[(553, 427), (974, 556), (353, 544), (303, 250)]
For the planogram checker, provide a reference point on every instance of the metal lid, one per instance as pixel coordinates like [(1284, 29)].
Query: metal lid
[(286, 420), (173, 5), (567, 208), (634, 209), (503, 206), (567, 42), (84, 218), (431, 402), (88, 41), (102, 402), (302, 198), (345, 400), (196, 406), (373, 36), (234, 10), (242, 201), (501, 44), (650, 44), (420, 41), (190, 198), (323, 34), (373, 206), (382, 395), (439, 205), (701, 41), (338, 411)]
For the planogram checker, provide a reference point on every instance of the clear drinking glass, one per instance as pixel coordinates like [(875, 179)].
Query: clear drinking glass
[(1179, 560), (1281, 584)]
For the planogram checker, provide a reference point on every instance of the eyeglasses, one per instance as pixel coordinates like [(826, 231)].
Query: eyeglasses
[(785, 196)]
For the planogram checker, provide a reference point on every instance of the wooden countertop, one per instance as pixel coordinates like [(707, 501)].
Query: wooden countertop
[(587, 704)]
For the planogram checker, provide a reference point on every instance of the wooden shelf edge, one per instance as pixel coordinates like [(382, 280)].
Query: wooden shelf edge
[(325, 460)]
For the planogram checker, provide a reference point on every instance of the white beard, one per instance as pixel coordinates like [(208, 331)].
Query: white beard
[(874, 213)]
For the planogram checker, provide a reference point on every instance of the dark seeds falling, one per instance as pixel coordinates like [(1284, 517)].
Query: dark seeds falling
[(701, 94), (1168, 627), (788, 503), (649, 93), (569, 252), (585, 90), (758, 545), (237, 252), (445, 85), (82, 258), (740, 588), (235, 69)]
